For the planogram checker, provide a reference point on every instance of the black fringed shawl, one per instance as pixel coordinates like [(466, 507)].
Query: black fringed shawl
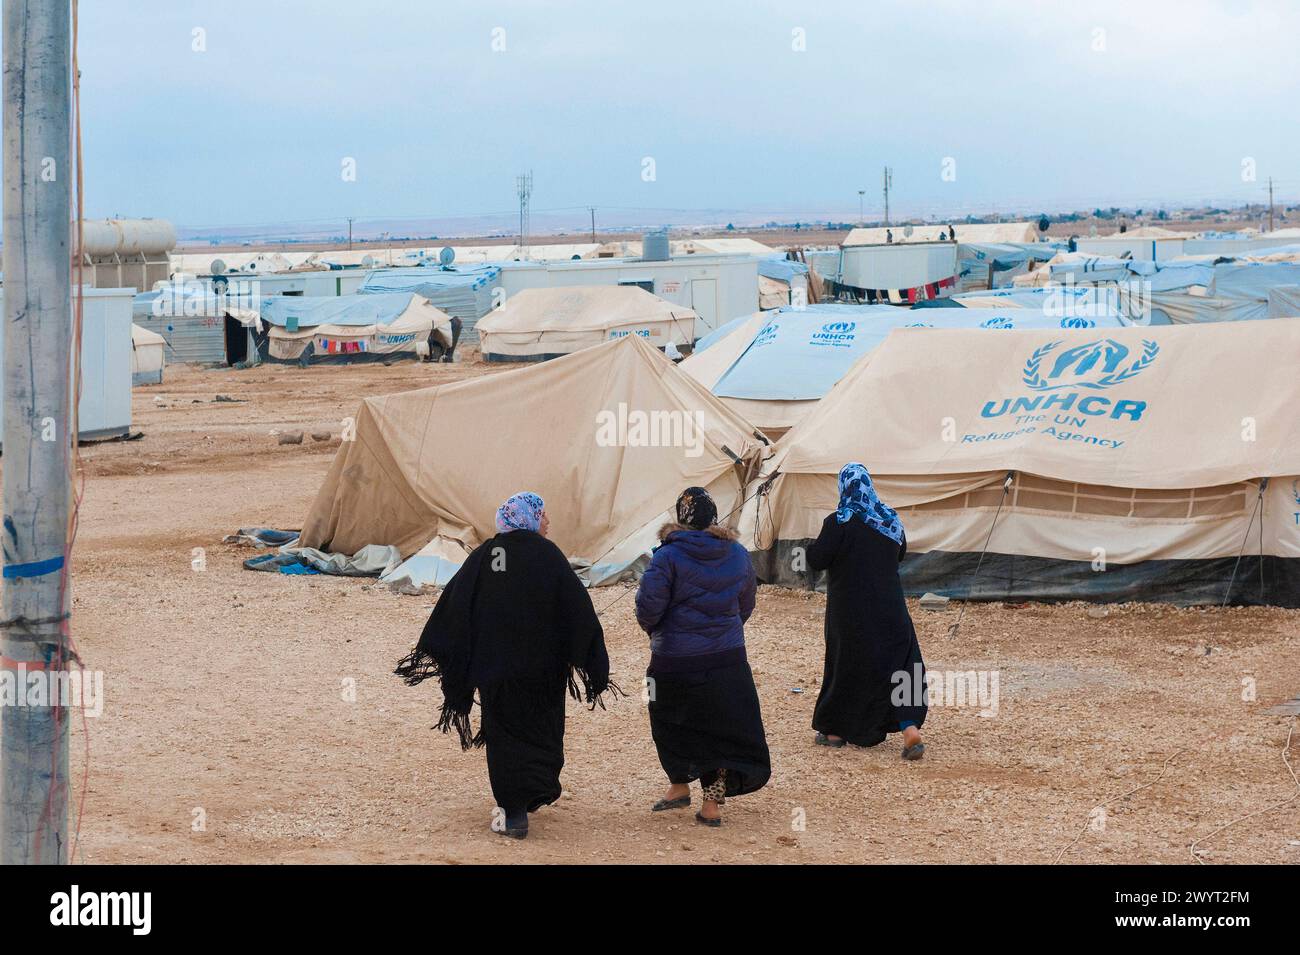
[(514, 616)]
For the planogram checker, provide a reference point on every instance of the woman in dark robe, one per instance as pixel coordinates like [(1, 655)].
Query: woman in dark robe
[(874, 679), (694, 600), (516, 624)]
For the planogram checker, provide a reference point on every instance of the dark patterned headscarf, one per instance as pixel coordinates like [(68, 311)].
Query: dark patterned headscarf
[(695, 508), (858, 498)]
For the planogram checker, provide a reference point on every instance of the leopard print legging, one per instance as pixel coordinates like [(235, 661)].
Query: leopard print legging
[(716, 791)]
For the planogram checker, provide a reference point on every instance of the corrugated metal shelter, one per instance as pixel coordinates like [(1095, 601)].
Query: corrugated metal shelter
[(463, 291)]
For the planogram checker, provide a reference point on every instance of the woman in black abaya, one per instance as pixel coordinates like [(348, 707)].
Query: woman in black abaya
[(873, 683), (516, 624)]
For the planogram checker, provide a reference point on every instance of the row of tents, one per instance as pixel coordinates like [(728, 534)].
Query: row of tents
[(1102, 462)]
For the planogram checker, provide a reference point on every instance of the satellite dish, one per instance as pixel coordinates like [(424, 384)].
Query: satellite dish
[(367, 261), (1092, 231), (217, 267), (446, 256), (907, 231)]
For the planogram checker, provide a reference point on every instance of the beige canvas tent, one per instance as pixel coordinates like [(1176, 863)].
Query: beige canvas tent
[(148, 356), (1136, 461), (608, 436), (542, 323)]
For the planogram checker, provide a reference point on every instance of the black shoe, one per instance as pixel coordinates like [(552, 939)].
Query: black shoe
[(914, 752), (711, 823), (681, 802), (821, 739), (516, 826)]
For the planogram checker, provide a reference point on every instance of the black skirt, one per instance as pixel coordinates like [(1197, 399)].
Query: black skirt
[(709, 720), (523, 733)]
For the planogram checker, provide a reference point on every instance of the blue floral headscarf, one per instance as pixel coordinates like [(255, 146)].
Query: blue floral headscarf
[(858, 498), (522, 512)]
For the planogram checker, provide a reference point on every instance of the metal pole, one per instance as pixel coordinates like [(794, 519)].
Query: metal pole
[(38, 178)]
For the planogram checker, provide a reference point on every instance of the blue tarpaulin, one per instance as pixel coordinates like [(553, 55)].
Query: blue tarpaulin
[(779, 267), (800, 353), (308, 312)]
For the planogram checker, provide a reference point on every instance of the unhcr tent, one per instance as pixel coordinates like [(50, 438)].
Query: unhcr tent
[(1089, 300), (541, 323), (1136, 461), (774, 368), (148, 356), (355, 328), (609, 436)]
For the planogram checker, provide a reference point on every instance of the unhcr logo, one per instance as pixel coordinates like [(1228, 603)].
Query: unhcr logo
[(766, 335), (625, 428), (837, 334), (998, 322), (1095, 365), (1071, 374)]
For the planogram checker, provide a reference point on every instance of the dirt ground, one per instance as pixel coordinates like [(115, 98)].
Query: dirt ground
[(253, 717)]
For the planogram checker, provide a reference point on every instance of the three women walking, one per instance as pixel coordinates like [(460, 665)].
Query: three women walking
[(515, 625), (873, 682)]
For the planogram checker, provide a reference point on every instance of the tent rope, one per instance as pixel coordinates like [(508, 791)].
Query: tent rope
[(1286, 759), (970, 588), (1259, 501), (1102, 805)]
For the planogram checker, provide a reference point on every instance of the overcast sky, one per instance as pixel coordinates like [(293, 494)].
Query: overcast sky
[(1038, 104)]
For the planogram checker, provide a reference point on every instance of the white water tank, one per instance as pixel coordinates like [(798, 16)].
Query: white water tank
[(104, 237)]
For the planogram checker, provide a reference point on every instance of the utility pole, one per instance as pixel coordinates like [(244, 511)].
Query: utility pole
[(593, 223), (349, 233), (524, 186), (39, 425), (1270, 203), (861, 198), (889, 181)]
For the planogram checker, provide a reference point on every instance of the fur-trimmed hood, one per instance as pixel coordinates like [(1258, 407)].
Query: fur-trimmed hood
[(720, 531)]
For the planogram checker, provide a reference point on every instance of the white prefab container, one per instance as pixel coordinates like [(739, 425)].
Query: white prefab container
[(105, 407), (717, 288), (899, 265)]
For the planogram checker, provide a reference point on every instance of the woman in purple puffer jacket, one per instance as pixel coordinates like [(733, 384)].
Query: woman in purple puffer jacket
[(704, 716)]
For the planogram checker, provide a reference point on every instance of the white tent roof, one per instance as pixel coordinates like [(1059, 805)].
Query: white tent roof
[(559, 320)]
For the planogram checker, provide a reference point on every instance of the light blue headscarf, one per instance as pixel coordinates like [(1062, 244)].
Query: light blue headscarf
[(858, 498), (522, 512)]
